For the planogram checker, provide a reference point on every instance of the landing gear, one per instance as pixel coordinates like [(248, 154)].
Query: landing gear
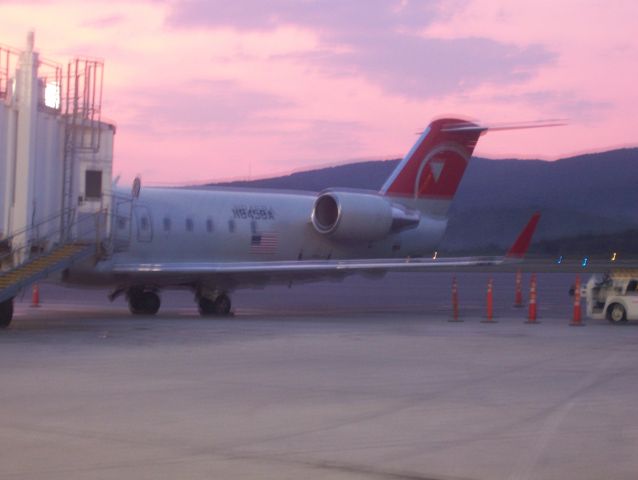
[(6, 313), (219, 306), (143, 302), (222, 304), (206, 306)]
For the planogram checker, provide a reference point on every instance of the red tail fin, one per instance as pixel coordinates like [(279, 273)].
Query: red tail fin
[(520, 246), (435, 165)]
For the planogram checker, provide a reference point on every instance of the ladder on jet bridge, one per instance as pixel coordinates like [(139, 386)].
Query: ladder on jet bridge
[(41, 256)]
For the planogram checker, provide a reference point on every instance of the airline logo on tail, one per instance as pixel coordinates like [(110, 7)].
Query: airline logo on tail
[(436, 164), (440, 172)]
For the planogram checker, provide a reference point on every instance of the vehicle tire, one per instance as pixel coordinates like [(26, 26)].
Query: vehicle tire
[(222, 305), (6, 313), (616, 313), (143, 302), (206, 307)]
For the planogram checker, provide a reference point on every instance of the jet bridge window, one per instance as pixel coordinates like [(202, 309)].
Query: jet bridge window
[(189, 224), (167, 224), (93, 184), (209, 225)]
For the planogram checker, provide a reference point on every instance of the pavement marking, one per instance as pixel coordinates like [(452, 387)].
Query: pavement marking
[(527, 466)]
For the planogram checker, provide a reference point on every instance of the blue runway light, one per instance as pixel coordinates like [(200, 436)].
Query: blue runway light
[(585, 262), (560, 260)]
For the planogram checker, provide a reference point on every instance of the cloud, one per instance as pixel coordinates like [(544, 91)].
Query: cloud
[(328, 16), (419, 67), (559, 103), (200, 107), (105, 22), (378, 40), (321, 138)]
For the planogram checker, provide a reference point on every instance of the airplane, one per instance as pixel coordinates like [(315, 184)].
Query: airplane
[(213, 241)]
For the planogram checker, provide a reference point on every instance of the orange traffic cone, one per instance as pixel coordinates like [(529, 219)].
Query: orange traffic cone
[(35, 296), (455, 302), (518, 300), (490, 303), (531, 314), (576, 318)]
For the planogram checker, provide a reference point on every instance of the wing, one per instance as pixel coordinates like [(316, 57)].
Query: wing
[(247, 273), (318, 266)]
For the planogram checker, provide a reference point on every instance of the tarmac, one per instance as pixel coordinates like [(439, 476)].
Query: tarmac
[(365, 379)]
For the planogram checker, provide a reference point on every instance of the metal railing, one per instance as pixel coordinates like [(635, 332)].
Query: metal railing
[(40, 239), (103, 228)]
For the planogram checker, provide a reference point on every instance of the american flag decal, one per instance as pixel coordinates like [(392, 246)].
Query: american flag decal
[(264, 242)]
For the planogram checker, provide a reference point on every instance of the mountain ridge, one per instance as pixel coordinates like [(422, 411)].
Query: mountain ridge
[(586, 194)]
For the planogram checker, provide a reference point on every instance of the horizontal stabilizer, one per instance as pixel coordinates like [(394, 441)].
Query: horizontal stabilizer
[(471, 127)]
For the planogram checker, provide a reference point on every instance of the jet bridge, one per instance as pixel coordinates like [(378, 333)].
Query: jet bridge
[(56, 157)]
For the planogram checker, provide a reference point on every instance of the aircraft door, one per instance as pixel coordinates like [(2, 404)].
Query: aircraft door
[(144, 223), (121, 226)]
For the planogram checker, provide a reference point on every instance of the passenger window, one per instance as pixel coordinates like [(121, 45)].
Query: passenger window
[(189, 224), (209, 225), (231, 226), (167, 224)]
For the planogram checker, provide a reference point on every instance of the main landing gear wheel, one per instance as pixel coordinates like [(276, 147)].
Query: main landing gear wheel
[(206, 306), (6, 313), (616, 314), (220, 306), (143, 302)]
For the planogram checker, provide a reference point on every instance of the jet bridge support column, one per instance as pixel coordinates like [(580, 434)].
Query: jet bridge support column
[(21, 148)]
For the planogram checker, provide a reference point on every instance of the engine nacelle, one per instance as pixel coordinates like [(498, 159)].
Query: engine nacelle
[(351, 216)]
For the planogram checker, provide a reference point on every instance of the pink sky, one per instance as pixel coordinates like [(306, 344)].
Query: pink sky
[(206, 90)]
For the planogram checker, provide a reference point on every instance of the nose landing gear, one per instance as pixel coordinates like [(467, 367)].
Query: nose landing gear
[(143, 302)]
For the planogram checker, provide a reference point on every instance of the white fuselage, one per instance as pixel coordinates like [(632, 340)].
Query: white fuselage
[(234, 225)]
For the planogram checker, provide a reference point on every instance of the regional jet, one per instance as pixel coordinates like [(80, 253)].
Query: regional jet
[(214, 241)]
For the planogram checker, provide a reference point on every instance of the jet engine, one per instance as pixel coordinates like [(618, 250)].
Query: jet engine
[(352, 216)]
